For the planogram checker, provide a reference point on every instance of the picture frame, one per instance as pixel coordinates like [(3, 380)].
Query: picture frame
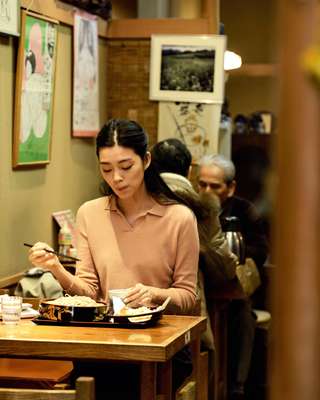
[(85, 106), (34, 91), (187, 68), (10, 17)]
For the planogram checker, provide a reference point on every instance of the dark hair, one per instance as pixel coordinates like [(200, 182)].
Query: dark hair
[(130, 134), (171, 155), (30, 56)]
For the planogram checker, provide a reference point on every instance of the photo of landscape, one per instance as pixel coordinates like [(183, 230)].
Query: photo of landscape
[(187, 68)]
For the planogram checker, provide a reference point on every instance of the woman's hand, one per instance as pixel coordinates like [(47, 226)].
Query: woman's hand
[(140, 295), (42, 259)]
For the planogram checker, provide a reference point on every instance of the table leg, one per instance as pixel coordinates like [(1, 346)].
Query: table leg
[(195, 349), (148, 382), (165, 380)]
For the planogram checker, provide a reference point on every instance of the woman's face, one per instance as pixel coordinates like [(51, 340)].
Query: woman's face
[(122, 169)]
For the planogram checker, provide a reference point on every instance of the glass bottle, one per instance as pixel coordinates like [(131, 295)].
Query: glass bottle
[(65, 242)]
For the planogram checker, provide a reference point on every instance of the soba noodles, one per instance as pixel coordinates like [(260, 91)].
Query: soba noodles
[(75, 301)]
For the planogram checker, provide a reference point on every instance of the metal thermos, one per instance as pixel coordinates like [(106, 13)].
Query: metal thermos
[(231, 228)]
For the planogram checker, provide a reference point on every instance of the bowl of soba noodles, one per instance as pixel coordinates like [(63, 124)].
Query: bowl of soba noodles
[(73, 308)]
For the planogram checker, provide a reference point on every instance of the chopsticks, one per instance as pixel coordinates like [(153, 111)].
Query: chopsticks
[(54, 252)]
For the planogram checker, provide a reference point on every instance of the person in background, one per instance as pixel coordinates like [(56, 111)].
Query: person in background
[(113, 240), (217, 176), (217, 264)]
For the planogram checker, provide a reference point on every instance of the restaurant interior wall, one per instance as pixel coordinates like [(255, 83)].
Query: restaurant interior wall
[(250, 28), (124, 9), (128, 87), (29, 196)]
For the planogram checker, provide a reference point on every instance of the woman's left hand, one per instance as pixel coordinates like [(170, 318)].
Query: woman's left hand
[(140, 295)]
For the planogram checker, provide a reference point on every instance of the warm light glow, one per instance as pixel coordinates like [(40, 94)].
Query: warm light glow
[(231, 60)]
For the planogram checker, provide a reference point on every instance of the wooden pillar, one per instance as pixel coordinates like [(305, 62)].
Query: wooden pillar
[(185, 8), (211, 10), (295, 361)]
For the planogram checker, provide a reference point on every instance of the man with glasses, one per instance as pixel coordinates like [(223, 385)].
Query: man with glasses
[(217, 176)]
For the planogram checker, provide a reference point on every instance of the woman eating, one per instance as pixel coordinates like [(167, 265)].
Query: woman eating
[(139, 236)]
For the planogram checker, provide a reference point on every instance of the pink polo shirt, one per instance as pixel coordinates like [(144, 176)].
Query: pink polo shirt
[(160, 249)]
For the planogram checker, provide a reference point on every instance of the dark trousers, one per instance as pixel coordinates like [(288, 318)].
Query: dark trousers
[(241, 332)]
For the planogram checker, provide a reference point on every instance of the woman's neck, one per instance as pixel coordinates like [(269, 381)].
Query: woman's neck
[(133, 206)]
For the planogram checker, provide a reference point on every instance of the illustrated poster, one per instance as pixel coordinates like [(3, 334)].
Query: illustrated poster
[(195, 124), (85, 77), (34, 91)]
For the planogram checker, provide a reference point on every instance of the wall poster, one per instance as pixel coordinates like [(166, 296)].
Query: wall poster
[(10, 17), (195, 124), (34, 90), (85, 76)]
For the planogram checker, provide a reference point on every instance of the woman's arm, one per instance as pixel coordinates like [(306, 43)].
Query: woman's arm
[(42, 259)]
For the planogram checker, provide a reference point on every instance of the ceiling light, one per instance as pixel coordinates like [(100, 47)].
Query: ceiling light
[(231, 60)]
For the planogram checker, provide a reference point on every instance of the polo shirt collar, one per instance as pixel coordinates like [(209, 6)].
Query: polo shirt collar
[(157, 209)]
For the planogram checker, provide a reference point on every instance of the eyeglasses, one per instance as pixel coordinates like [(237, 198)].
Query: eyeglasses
[(212, 186)]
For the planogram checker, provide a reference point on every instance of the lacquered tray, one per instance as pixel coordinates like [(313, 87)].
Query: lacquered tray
[(111, 322)]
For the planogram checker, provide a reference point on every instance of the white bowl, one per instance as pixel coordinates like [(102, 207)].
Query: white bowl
[(122, 293)]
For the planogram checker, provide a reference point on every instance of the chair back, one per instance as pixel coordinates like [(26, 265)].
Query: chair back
[(84, 391)]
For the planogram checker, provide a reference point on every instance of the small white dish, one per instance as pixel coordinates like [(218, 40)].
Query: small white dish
[(121, 293), (26, 305)]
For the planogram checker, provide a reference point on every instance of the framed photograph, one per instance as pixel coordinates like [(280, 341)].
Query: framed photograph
[(187, 68), (10, 17), (195, 124), (34, 90), (85, 119)]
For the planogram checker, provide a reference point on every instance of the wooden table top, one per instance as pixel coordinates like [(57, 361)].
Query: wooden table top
[(158, 343)]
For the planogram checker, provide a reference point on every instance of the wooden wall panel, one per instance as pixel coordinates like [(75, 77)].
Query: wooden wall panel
[(128, 84)]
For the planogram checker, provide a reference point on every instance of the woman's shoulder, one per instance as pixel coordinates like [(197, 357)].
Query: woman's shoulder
[(178, 211), (100, 203)]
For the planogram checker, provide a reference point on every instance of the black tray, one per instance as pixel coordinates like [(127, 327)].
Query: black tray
[(118, 322)]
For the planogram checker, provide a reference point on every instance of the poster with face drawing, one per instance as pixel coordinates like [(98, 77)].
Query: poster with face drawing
[(195, 124), (34, 91), (10, 17), (85, 76)]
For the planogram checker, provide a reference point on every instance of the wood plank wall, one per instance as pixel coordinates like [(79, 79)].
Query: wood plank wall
[(128, 89)]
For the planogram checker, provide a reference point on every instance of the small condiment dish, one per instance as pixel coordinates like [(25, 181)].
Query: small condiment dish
[(122, 293)]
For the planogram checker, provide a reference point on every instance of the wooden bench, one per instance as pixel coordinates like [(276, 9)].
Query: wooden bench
[(84, 391)]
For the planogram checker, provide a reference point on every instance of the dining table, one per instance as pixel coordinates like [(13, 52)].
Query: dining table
[(151, 347)]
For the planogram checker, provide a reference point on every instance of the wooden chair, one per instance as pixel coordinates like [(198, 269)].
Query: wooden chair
[(84, 391)]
